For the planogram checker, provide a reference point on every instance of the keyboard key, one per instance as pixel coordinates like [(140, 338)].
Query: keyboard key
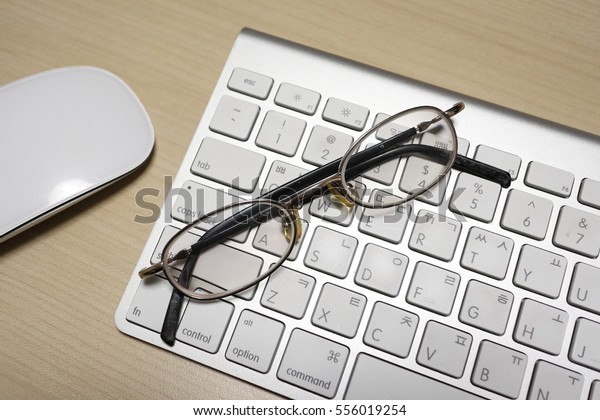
[(204, 324), (381, 270), (435, 235), (487, 253), (499, 369), (386, 172), (280, 174), (595, 391), (419, 172), (271, 238), (578, 231), (585, 347), (326, 145), (475, 197), (589, 193), (463, 146), (388, 224), (444, 349), (388, 130), (211, 271), (503, 160), (551, 382), (280, 133), (585, 288), (339, 310), (214, 270), (328, 208), (526, 214), (549, 179), (540, 271), (486, 307), (195, 200), (331, 252), (227, 164), (391, 329), (250, 83), (375, 379), (288, 292), (150, 303), (313, 363), (234, 118), (383, 173), (541, 326), (433, 288), (255, 341), (168, 232), (186, 240), (345, 113), (297, 98)]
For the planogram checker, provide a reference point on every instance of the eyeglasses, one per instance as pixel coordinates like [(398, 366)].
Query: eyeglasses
[(419, 143)]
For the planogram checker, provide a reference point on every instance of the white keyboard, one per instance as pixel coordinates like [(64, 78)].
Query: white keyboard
[(497, 296)]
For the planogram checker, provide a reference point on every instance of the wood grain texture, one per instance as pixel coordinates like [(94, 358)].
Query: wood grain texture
[(61, 281)]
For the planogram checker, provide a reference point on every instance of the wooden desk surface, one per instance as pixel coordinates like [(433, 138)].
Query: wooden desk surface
[(61, 281)]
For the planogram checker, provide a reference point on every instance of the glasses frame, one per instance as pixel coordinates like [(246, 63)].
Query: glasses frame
[(291, 196), (181, 284), (412, 194)]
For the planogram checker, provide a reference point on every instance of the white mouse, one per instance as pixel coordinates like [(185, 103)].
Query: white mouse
[(65, 134)]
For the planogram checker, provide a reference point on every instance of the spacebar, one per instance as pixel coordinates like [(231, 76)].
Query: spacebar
[(375, 379)]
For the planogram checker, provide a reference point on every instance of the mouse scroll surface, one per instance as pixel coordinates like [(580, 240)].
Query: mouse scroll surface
[(65, 134)]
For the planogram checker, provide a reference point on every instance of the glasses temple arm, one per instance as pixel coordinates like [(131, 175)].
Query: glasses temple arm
[(482, 170), (171, 320)]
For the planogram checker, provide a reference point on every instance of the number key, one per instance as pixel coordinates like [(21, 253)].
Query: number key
[(325, 145), (475, 197), (526, 214), (578, 231)]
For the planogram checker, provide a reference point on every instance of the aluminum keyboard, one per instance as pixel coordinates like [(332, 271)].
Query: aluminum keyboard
[(497, 295)]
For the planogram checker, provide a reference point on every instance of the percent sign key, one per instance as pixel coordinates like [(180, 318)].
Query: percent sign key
[(475, 197)]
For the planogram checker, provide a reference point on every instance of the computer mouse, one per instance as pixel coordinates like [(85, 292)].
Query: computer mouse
[(64, 135)]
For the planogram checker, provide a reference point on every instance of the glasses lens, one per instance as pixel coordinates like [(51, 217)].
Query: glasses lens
[(390, 158), (210, 265)]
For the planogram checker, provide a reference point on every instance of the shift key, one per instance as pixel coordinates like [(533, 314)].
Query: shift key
[(228, 164)]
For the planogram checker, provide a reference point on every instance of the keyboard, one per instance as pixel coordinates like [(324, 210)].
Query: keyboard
[(496, 297)]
